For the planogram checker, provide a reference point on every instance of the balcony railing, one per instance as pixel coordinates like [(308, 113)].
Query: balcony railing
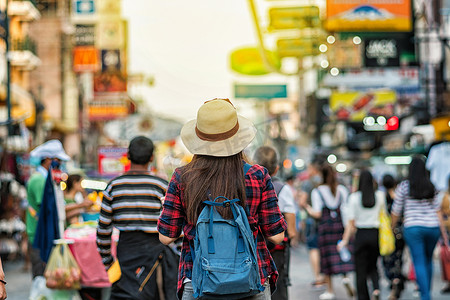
[(24, 44)]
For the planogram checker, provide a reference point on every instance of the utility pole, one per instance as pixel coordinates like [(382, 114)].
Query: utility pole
[(8, 70)]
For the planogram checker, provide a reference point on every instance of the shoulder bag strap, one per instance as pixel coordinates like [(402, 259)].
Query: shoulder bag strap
[(321, 197), (278, 185)]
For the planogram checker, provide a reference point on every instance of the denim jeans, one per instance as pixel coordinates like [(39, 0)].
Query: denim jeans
[(421, 241), (188, 293)]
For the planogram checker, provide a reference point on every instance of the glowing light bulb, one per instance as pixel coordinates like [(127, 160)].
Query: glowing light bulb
[(334, 71), (331, 39), (357, 40), (324, 63)]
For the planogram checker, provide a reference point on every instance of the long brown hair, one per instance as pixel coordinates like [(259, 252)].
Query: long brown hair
[(329, 178), (210, 176)]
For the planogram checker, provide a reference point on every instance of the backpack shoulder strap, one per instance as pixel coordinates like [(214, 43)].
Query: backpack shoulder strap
[(340, 197), (246, 168)]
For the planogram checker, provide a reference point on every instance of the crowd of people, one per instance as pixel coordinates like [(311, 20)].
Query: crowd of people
[(419, 215), (159, 237)]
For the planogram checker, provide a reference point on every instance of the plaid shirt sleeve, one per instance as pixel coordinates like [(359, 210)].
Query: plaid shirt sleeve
[(271, 221), (263, 207), (172, 218), (172, 223)]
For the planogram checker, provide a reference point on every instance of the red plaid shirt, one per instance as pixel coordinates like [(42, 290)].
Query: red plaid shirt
[(262, 204)]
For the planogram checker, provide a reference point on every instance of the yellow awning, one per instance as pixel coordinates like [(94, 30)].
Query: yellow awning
[(22, 104)]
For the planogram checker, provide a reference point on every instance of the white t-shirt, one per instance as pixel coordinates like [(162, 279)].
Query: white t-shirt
[(79, 198), (365, 217), (438, 163), (286, 200), (330, 200)]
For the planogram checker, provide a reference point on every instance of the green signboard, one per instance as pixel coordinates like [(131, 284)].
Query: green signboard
[(260, 91), (294, 17), (298, 47)]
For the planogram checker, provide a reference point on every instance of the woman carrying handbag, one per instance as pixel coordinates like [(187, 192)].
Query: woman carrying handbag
[(363, 214)]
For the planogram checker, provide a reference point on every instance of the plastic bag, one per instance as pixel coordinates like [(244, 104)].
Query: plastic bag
[(39, 291), (62, 271), (385, 236)]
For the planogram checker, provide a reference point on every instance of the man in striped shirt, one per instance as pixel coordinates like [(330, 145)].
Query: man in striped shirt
[(132, 204)]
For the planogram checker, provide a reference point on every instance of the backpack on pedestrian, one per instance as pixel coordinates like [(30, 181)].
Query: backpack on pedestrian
[(225, 259)]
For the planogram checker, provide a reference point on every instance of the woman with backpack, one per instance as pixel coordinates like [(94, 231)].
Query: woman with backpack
[(416, 200), (217, 138), (328, 202), (363, 220)]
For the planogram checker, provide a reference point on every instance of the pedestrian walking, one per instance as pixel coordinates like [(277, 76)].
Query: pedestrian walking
[(132, 204), (311, 223), (393, 263), (217, 139), (299, 195), (363, 221), (327, 205), (416, 200), (267, 157), (50, 154)]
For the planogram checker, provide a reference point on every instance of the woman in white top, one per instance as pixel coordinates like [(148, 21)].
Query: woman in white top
[(415, 199), (328, 201), (363, 218)]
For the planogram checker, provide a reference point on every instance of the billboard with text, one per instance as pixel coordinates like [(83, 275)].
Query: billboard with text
[(368, 15)]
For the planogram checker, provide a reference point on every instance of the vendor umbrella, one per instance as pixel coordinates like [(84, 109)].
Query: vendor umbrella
[(47, 229)]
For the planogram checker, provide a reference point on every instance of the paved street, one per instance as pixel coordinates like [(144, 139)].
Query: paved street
[(301, 278), (19, 283)]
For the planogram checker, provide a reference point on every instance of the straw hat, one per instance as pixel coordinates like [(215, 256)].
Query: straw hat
[(218, 130)]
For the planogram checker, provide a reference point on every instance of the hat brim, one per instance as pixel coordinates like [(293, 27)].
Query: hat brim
[(50, 149), (62, 156), (233, 145), (49, 154)]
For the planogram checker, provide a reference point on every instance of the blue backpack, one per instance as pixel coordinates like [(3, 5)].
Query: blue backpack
[(225, 258)]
